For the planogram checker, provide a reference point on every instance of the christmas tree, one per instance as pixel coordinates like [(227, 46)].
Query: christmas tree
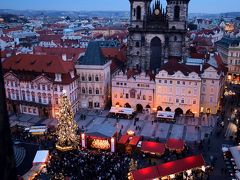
[(67, 126)]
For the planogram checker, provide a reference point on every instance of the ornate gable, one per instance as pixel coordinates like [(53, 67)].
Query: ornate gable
[(10, 76), (42, 80)]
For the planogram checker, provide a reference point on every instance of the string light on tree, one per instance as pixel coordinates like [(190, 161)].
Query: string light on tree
[(67, 126)]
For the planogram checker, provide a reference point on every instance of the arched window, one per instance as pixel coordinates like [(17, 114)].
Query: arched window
[(96, 78), (90, 91), (176, 12), (89, 78), (137, 44), (138, 13), (97, 91), (175, 38), (83, 90)]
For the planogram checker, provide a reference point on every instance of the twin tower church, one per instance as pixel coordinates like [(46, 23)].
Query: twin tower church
[(156, 34)]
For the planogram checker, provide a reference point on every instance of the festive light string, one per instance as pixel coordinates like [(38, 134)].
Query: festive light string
[(100, 144)]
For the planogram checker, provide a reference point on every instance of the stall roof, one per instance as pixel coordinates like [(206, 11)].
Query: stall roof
[(134, 141), (123, 139), (180, 165), (153, 147), (165, 114), (236, 155), (102, 130), (237, 175), (169, 168), (175, 144), (41, 156), (121, 110), (145, 173)]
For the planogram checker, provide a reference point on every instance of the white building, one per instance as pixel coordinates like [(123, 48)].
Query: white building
[(95, 79)]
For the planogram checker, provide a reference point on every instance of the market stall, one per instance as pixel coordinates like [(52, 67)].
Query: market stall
[(124, 139), (175, 145), (39, 162), (170, 170), (121, 112), (235, 151), (153, 148), (166, 116), (101, 136)]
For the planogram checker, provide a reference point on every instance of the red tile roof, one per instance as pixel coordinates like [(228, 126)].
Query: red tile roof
[(38, 63)]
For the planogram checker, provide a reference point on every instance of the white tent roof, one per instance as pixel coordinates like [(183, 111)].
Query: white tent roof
[(165, 114), (238, 175), (236, 155), (41, 156), (121, 110)]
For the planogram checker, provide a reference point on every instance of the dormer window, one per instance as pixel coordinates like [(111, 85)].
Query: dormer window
[(58, 77), (72, 74)]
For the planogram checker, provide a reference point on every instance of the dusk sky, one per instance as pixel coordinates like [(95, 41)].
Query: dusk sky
[(205, 6)]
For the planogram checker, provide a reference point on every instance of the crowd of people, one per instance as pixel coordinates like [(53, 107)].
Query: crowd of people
[(86, 164)]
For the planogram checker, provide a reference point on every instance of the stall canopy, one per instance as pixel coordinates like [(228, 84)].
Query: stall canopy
[(121, 110), (237, 175), (175, 144), (236, 155), (165, 114), (134, 141), (146, 173), (123, 139), (153, 147), (181, 165), (102, 130), (41, 157), (169, 168)]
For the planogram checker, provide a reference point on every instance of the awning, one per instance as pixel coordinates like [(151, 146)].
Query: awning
[(181, 165), (41, 156), (169, 168), (153, 147), (123, 139), (134, 140), (237, 175), (165, 114), (175, 144), (145, 173), (121, 110), (236, 155)]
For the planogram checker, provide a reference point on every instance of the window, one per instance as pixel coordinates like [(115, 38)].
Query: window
[(178, 82), (170, 82), (117, 83), (176, 13), (49, 100), (150, 98), (204, 80), (160, 81), (96, 78), (183, 82), (165, 81), (212, 81), (83, 78), (23, 95), (97, 91), (144, 97), (127, 96), (17, 94), (177, 100), (83, 90), (139, 13), (34, 111), (61, 88), (194, 101), (48, 87), (38, 86), (56, 100), (39, 99), (211, 99), (121, 95), (24, 109), (90, 91), (182, 101), (27, 85), (32, 86), (43, 87), (55, 88), (89, 78), (96, 104)]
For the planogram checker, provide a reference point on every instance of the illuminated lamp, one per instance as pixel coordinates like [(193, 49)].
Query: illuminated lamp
[(83, 136), (203, 168), (130, 132), (189, 172), (172, 176), (112, 140)]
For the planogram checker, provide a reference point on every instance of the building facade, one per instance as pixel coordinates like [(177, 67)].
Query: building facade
[(229, 49), (95, 78), (34, 84)]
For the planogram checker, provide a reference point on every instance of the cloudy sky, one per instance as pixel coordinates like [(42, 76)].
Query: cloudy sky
[(197, 6)]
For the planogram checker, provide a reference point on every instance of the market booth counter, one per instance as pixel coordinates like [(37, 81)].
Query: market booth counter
[(128, 143), (40, 160), (101, 136), (182, 168), (166, 116)]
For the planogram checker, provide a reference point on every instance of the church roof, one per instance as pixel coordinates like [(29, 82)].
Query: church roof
[(93, 55)]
